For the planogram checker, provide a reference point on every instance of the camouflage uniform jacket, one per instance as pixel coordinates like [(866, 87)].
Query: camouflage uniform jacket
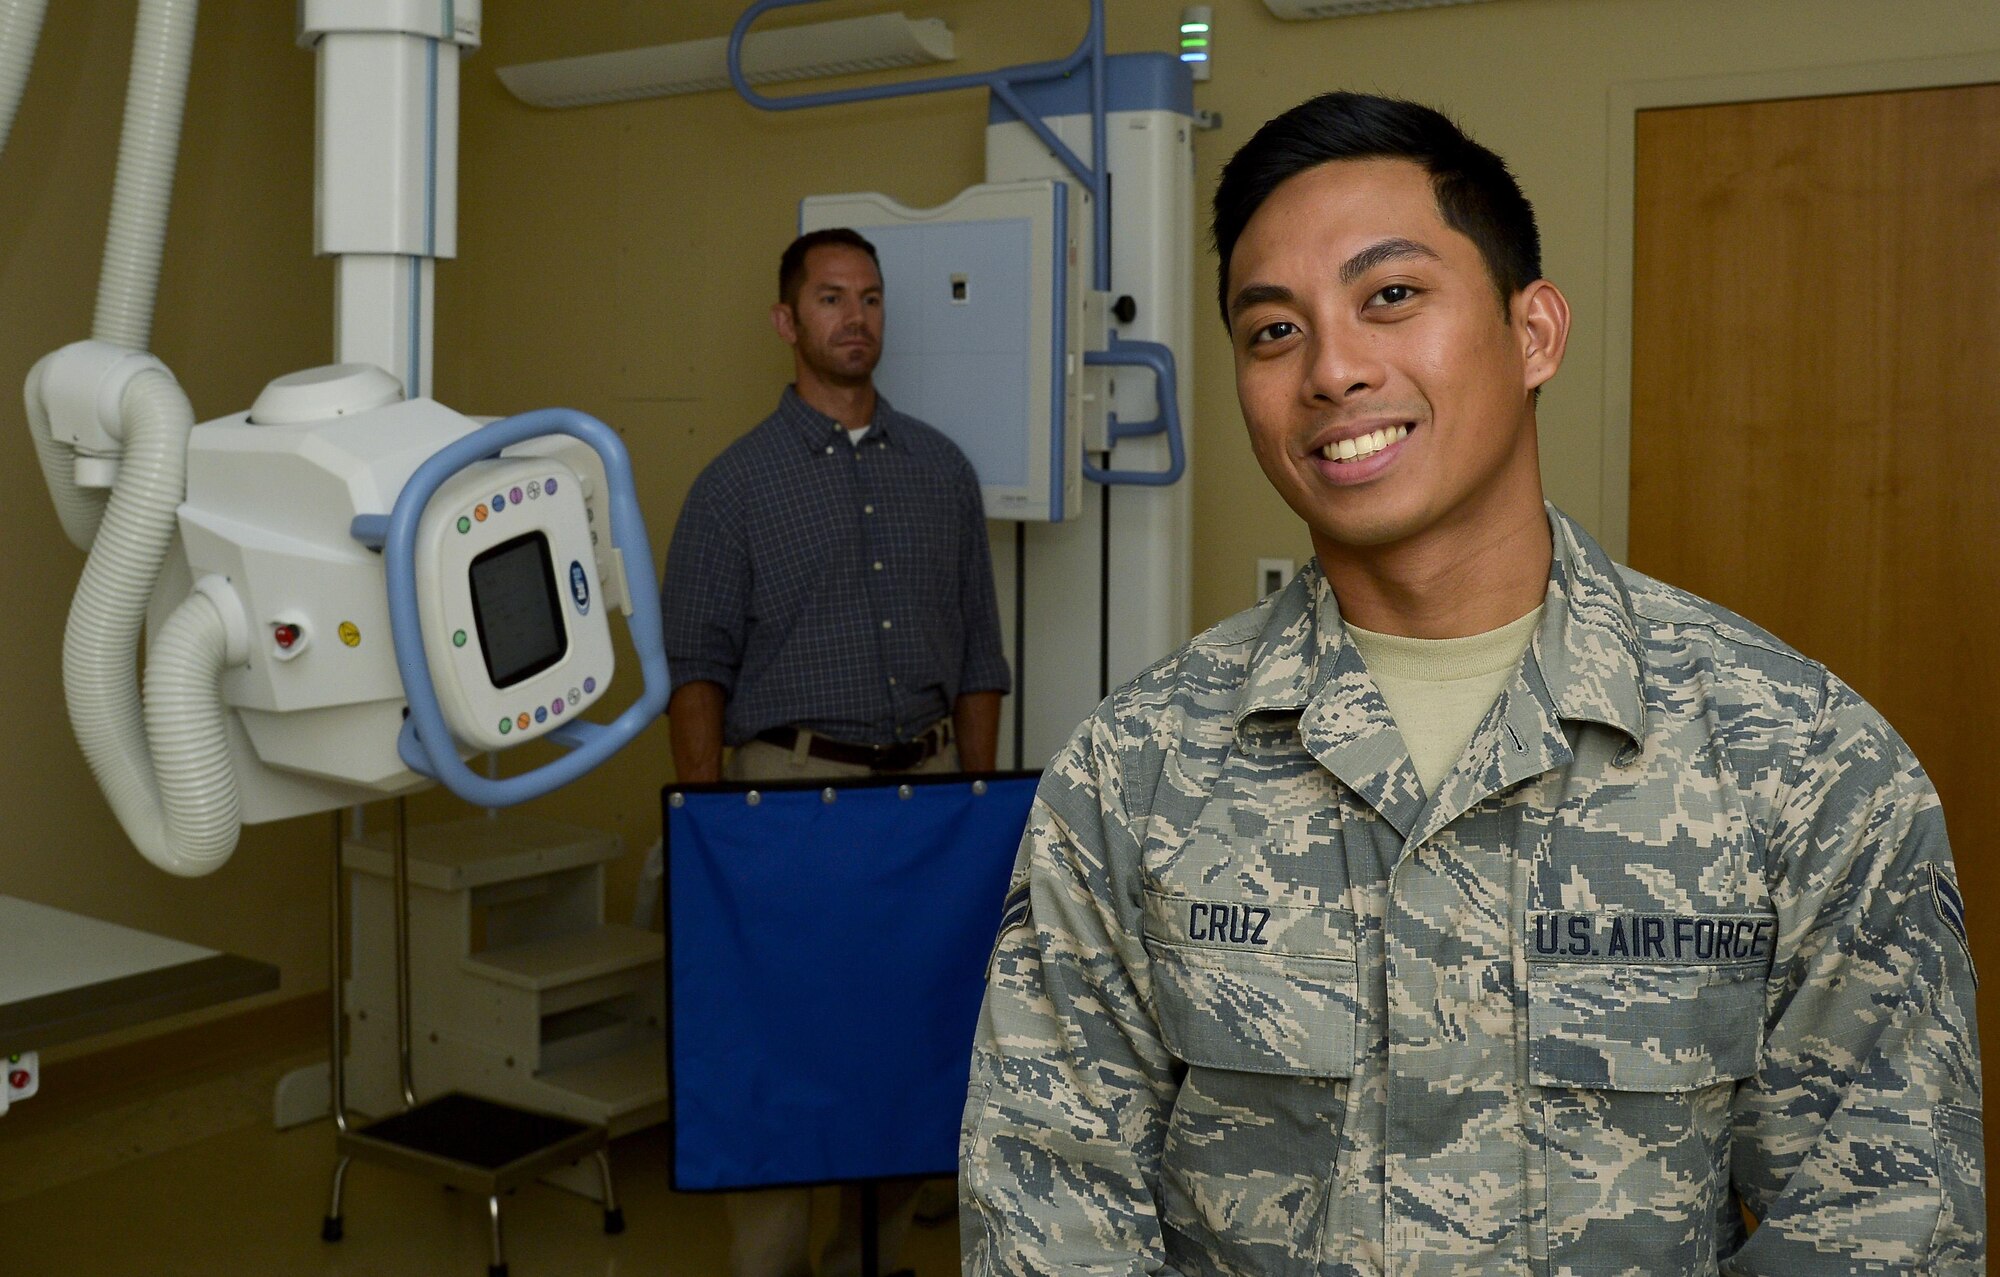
[(1680, 931)]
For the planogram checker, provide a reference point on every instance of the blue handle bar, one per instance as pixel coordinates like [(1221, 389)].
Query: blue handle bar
[(426, 745), (1144, 354)]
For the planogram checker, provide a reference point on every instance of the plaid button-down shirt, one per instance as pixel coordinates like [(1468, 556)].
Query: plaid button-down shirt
[(846, 588)]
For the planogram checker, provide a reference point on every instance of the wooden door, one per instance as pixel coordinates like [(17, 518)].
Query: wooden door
[(1816, 410)]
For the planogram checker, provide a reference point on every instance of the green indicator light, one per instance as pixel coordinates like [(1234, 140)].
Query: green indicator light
[(464, 524), (1193, 42), (506, 725), (458, 638)]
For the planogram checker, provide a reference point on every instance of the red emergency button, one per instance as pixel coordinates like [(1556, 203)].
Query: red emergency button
[(285, 635), (19, 1079)]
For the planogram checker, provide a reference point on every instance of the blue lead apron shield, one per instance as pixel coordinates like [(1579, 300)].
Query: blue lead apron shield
[(826, 962)]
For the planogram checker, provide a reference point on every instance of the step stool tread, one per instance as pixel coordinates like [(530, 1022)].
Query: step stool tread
[(463, 854), (541, 965)]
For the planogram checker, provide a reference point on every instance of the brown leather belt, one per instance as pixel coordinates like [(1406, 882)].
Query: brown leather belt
[(900, 756)]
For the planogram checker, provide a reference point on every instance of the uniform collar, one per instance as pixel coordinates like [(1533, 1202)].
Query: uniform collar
[(1588, 642), (817, 429), (1587, 647)]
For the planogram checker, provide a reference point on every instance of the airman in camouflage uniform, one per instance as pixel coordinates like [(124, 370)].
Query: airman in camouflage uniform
[(1681, 926), (1677, 937)]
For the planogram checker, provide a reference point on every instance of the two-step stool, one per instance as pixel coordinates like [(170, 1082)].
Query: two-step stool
[(535, 1023)]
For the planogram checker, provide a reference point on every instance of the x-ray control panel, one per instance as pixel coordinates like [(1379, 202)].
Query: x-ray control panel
[(508, 584)]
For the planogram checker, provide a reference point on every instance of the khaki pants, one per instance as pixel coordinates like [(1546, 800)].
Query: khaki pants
[(771, 1230)]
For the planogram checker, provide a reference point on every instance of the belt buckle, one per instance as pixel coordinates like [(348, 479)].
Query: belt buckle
[(900, 756)]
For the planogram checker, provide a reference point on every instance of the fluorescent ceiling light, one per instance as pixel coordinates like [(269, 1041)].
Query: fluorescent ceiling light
[(1299, 10), (842, 47)]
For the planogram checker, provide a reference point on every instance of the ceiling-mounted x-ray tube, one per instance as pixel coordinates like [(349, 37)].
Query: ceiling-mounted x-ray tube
[(386, 200)]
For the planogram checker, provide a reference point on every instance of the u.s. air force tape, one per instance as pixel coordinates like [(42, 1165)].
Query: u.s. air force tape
[(1689, 939)]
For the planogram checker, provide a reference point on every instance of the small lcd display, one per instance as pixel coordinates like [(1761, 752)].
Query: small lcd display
[(518, 610)]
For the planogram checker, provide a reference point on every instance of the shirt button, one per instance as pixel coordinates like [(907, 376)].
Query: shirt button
[(892, 680), (868, 509), (829, 450), (878, 565), (886, 625)]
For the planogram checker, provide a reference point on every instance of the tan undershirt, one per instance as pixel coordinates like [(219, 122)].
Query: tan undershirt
[(1439, 689)]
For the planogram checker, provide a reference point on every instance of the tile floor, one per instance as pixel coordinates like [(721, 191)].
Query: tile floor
[(192, 1180)]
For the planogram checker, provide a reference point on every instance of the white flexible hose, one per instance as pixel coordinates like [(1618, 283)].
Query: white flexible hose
[(101, 642), (187, 730), (162, 48), (81, 510), (20, 32)]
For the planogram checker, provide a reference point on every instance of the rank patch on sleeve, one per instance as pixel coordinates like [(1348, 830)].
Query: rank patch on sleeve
[(1950, 905), (1016, 912)]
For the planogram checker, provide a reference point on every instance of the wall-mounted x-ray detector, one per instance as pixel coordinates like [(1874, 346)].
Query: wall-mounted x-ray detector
[(986, 301), (1103, 574)]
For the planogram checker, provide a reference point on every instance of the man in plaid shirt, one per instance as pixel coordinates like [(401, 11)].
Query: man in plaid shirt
[(830, 612)]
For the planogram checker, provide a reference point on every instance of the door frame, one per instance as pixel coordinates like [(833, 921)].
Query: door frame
[(1627, 99)]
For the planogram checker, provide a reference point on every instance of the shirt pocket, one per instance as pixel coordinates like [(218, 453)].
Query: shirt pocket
[(1634, 1068), (1959, 1245), (1258, 1000), (1254, 987)]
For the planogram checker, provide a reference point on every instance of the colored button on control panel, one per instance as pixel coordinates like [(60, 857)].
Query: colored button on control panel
[(479, 513), (522, 722), (541, 715), (464, 524), (514, 495), (458, 638), (590, 685), (506, 725)]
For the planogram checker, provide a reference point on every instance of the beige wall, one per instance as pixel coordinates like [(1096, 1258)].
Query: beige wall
[(619, 260)]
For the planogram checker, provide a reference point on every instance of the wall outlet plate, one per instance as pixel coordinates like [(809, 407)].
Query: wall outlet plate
[(1273, 575), (23, 1079)]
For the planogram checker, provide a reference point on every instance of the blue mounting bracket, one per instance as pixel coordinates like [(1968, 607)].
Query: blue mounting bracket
[(1000, 83), (1003, 85), (426, 744)]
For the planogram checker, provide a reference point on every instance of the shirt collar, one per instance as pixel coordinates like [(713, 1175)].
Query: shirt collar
[(817, 429), (1587, 644)]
